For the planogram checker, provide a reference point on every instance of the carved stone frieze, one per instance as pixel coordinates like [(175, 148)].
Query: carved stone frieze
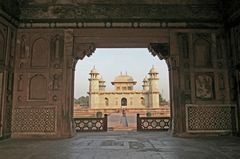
[(81, 2), (116, 11)]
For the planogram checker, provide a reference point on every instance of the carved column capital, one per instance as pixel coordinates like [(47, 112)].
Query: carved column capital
[(83, 49), (159, 49)]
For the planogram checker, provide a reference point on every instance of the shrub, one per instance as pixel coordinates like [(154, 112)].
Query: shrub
[(148, 114), (99, 114)]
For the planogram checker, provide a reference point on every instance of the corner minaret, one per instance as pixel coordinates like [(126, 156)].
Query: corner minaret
[(153, 88), (102, 85), (94, 81), (93, 88), (145, 84), (153, 80)]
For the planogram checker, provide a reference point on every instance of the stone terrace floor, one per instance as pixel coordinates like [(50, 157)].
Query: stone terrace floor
[(123, 145)]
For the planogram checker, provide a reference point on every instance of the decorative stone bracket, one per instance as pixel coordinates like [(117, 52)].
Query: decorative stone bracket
[(83, 49), (163, 52), (159, 49)]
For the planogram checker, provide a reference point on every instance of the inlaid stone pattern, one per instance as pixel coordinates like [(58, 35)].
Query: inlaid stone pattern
[(34, 120), (211, 118)]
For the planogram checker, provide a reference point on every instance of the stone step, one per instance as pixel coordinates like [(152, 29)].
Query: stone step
[(122, 128)]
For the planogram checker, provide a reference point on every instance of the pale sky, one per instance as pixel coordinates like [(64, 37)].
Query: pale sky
[(111, 62)]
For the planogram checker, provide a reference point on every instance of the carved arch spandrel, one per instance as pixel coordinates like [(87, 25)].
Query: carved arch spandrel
[(38, 87), (40, 53)]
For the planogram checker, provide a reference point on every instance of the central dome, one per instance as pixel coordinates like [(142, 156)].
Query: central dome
[(123, 79)]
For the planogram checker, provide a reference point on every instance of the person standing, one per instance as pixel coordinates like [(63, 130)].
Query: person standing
[(123, 120)]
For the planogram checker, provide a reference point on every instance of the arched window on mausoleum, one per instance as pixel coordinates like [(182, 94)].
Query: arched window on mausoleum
[(124, 102), (142, 101), (106, 102)]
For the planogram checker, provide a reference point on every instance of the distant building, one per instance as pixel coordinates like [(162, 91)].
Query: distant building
[(124, 95)]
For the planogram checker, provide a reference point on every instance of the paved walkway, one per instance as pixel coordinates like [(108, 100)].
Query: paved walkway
[(123, 145), (115, 124)]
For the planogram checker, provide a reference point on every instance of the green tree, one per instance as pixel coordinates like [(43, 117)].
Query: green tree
[(82, 100)]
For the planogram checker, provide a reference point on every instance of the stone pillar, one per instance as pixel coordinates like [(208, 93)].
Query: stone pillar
[(234, 50), (7, 45), (66, 117), (238, 98), (177, 108), (170, 53)]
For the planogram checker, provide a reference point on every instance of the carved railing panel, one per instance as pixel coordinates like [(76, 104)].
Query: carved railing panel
[(91, 124), (211, 118), (153, 123)]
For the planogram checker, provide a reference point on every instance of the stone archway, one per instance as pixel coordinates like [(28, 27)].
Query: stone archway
[(54, 114), (157, 42)]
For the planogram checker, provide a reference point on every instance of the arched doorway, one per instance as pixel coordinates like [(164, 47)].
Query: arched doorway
[(157, 41), (124, 102), (120, 78), (175, 46)]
